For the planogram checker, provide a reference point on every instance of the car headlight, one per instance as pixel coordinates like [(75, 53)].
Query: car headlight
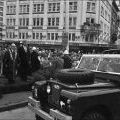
[(33, 87), (48, 89), (65, 103), (62, 104), (36, 92)]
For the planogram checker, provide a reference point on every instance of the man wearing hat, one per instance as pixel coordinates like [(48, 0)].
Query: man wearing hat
[(24, 60), (10, 63), (35, 63), (67, 60)]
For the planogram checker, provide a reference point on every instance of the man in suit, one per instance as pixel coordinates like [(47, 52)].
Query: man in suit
[(24, 61), (35, 63), (67, 60), (10, 61)]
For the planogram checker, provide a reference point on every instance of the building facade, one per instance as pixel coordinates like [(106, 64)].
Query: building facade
[(114, 22), (1, 18), (43, 22)]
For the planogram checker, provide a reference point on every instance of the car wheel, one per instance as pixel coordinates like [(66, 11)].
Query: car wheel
[(72, 76), (38, 117), (94, 116)]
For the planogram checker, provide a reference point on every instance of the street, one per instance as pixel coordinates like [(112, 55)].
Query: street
[(17, 114)]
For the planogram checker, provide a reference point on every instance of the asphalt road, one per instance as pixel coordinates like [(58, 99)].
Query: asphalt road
[(17, 114)]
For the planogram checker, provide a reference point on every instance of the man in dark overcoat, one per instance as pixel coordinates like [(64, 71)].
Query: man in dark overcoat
[(24, 61), (35, 63), (67, 60), (10, 62)]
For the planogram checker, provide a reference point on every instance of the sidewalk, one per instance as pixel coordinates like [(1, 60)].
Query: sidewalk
[(14, 100), (18, 86)]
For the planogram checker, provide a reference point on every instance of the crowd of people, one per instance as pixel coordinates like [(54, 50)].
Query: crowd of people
[(22, 61)]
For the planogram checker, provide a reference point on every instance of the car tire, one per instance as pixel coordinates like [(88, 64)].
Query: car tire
[(94, 115), (72, 76)]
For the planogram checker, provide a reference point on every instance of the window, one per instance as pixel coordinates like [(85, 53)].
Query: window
[(105, 27), (56, 36), (37, 22), (27, 21), (48, 36), (91, 6), (52, 36), (24, 9), (23, 35), (71, 36), (1, 13), (101, 24), (53, 21), (33, 35), (53, 7), (1, 8), (37, 35), (11, 9), (72, 21), (106, 14), (40, 36), (10, 34), (72, 6), (1, 3), (1, 19), (38, 8), (90, 20), (11, 22), (108, 17), (24, 21), (102, 11), (57, 21)]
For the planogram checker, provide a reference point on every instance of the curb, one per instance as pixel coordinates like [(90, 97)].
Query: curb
[(13, 106)]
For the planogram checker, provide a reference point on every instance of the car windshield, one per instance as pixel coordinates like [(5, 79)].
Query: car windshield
[(104, 63), (89, 62)]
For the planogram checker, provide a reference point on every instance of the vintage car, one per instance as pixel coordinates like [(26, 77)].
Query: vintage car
[(91, 91)]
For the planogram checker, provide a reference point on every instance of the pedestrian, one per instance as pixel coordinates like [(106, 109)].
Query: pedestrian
[(67, 60), (10, 62), (57, 64), (35, 63), (24, 61)]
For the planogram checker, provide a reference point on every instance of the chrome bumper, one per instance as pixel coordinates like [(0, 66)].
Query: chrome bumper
[(34, 106)]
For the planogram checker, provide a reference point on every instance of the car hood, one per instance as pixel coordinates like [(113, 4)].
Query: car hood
[(75, 91)]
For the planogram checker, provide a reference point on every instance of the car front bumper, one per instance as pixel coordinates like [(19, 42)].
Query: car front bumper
[(54, 114)]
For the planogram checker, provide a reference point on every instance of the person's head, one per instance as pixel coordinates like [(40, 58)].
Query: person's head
[(21, 43), (24, 43), (66, 52), (34, 49), (13, 46)]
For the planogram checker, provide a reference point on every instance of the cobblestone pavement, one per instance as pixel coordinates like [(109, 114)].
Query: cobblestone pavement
[(17, 114)]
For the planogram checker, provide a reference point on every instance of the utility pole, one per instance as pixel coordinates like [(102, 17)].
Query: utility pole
[(65, 37)]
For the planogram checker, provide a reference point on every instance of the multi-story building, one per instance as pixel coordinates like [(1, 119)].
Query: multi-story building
[(43, 22), (114, 22), (1, 18)]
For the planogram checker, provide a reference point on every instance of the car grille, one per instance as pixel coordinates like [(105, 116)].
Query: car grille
[(53, 98)]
